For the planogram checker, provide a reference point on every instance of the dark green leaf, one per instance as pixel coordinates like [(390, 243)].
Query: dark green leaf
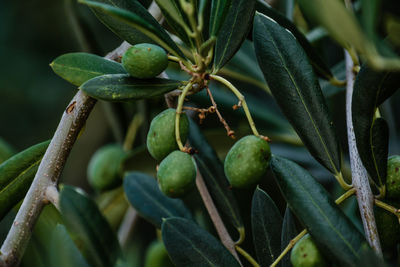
[(123, 87), (212, 171), (288, 233), (189, 245), (78, 68), (370, 16), (137, 18), (371, 89), (219, 10), (176, 18), (333, 232), (204, 11), (144, 195), (233, 31), (88, 227), (316, 61), (64, 252), (16, 175), (296, 89), (266, 223)]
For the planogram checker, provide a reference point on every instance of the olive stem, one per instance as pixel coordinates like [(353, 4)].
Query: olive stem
[(181, 100), (132, 132), (360, 179), (387, 207), (215, 217), (248, 257), (342, 182), (293, 242), (241, 98)]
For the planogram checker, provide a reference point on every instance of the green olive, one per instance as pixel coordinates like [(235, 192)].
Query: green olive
[(145, 60), (157, 256), (247, 161), (306, 254), (393, 177), (176, 174), (161, 136), (105, 168)]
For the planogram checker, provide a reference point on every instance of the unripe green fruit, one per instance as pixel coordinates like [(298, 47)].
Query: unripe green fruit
[(393, 177), (161, 136), (306, 254), (388, 226), (157, 256), (247, 161), (145, 60), (176, 174), (105, 168)]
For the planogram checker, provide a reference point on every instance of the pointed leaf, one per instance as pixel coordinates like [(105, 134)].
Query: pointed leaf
[(64, 252), (78, 68), (176, 18), (123, 87), (16, 175), (333, 232), (233, 31), (316, 61), (212, 171), (219, 10), (189, 245), (266, 223), (371, 89), (144, 195), (296, 89), (288, 233), (137, 18), (88, 227)]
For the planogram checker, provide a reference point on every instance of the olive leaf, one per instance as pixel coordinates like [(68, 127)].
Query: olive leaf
[(144, 195), (288, 233), (136, 18), (371, 89), (219, 10), (16, 175), (78, 68), (88, 227), (330, 228), (123, 87), (296, 89), (189, 245)]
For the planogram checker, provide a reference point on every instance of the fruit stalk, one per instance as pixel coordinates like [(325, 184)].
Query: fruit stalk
[(178, 114)]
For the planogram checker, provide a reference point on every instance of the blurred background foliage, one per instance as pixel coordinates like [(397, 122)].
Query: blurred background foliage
[(32, 99)]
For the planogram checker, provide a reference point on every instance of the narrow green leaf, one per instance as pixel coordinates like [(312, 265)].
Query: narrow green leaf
[(144, 195), (16, 175), (63, 251), (288, 233), (176, 18), (233, 31), (266, 223), (371, 89), (333, 232), (219, 10), (296, 89), (78, 68), (88, 227), (316, 61), (123, 87), (337, 20), (204, 14), (212, 171), (137, 18), (189, 245)]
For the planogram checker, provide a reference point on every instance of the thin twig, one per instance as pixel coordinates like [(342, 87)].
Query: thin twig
[(215, 217), (127, 225), (365, 197)]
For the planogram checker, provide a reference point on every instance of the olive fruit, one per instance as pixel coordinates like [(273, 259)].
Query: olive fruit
[(247, 161), (306, 254), (157, 256), (176, 174), (145, 60), (161, 136), (388, 226), (105, 168), (393, 177)]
